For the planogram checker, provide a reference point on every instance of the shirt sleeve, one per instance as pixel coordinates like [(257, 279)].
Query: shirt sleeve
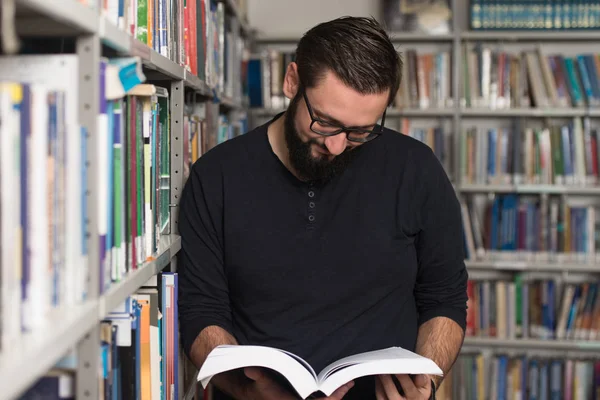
[(203, 288), (441, 287)]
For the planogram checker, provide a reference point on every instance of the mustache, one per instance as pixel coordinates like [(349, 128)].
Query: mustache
[(323, 147)]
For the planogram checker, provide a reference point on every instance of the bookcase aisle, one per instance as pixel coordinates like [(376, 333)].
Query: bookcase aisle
[(104, 107)]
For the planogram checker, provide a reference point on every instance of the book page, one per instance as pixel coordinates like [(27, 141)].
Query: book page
[(393, 360), (228, 357)]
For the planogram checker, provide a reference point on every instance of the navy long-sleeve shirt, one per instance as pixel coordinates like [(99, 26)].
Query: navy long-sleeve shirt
[(321, 271)]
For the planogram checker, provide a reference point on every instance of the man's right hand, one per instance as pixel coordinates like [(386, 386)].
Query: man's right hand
[(263, 387)]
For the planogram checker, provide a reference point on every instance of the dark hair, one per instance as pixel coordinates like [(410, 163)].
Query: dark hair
[(356, 49)]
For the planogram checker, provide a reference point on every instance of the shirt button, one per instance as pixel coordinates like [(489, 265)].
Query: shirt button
[(311, 218), (311, 194), (311, 204)]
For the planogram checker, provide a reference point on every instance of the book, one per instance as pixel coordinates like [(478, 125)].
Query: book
[(303, 378)]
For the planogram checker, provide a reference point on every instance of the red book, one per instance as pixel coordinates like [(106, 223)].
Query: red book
[(186, 31), (193, 37)]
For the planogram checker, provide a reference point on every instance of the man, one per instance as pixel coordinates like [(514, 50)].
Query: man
[(323, 233)]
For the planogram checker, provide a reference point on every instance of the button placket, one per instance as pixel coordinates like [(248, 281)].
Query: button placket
[(311, 204)]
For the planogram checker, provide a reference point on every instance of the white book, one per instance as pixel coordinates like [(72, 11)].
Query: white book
[(10, 211), (303, 378), (38, 292)]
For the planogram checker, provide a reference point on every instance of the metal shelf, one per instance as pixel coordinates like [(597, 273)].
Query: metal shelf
[(532, 266), (522, 36), (114, 37), (265, 112), (420, 112), (168, 247), (55, 17), (164, 65), (591, 347), (531, 189), (24, 362), (525, 112), (194, 82), (229, 102), (420, 37)]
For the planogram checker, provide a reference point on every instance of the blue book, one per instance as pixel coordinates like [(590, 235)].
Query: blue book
[(556, 380), (590, 65), (585, 79), (543, 382), (255, 85), (492, 143), (494, 245), (503, 367)]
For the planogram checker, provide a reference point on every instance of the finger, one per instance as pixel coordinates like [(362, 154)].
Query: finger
[(410, 390), (264, 387), (421, 381), (340, 392), (389, 388), (379, 391), (254, 373)]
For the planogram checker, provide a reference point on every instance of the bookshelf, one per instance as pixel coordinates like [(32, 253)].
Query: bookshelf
[(448, 123), (82, 35)]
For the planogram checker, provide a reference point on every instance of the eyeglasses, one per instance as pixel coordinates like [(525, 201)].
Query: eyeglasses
[(325, 128)]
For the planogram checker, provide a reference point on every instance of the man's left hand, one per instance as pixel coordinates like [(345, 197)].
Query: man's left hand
[(416, 388)]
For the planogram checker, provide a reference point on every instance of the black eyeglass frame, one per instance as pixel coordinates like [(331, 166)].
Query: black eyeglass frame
[(373, 134)]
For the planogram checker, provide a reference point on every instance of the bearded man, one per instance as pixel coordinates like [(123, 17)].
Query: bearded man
[(322, 232)]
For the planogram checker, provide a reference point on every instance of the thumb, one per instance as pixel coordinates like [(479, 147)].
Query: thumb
[(254, 373), (421, 380)]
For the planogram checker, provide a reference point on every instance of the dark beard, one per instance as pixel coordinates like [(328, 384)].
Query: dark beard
[(318, 170)]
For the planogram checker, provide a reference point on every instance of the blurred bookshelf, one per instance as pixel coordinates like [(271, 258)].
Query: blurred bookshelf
[(130, 94), (513, 114)]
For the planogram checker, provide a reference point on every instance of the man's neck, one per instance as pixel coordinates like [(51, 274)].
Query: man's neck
[(276, 135)]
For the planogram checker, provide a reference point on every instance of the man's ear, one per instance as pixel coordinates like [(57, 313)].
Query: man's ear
[(291, 81)]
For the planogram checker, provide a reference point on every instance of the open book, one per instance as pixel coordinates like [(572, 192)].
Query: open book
[(302, 377)]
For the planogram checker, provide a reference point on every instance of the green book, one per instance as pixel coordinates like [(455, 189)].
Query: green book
[(519, 304), (141, 32)]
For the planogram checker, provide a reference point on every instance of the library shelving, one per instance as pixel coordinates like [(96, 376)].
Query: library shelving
[(537, 345), (99, 63), (443, 113)]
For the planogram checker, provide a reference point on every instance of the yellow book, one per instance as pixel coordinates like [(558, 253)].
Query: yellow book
[(145, 366), (480, 377)]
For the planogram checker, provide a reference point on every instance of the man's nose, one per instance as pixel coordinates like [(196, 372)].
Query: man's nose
[(336, 144)]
